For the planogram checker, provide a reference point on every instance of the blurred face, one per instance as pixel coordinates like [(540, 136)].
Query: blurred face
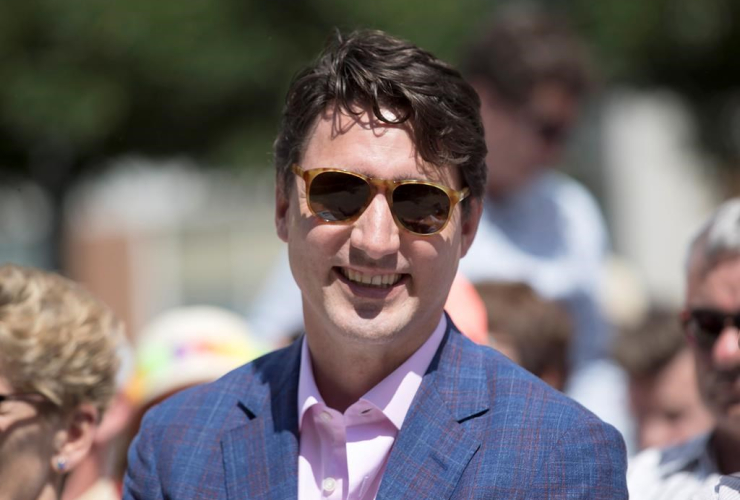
[(667, 407), (370, 281), (26, 448), (523, 140), (718, 363)]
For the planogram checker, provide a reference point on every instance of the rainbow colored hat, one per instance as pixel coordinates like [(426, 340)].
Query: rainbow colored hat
[(188, 346)]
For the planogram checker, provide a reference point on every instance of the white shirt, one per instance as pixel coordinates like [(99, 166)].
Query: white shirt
[(687, 471), (727, 488)]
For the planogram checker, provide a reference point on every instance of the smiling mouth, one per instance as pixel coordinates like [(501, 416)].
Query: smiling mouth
[(371, 280)]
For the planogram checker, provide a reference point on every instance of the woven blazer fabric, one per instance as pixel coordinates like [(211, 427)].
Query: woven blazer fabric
[(479, 427)]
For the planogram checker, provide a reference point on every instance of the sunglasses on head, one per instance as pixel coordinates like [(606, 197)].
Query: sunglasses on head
[(420, 207), (706, 325)]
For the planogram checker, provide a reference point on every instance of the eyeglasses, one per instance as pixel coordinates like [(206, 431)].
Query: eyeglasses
[(550, 131), (706, 325), (420, 207)]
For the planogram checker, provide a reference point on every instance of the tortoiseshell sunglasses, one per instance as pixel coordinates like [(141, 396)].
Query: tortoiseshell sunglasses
[(420, 207)]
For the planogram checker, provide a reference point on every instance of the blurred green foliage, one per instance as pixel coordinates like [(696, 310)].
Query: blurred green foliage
[(689, 46), (84, 80)]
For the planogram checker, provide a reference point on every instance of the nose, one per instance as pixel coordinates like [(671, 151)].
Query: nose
[(726, 350), (375, 232)]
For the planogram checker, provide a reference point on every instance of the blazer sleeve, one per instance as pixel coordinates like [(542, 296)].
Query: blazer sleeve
[(142, 480), (588, 462)]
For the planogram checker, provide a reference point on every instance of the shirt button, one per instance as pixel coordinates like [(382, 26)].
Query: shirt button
[(325, 416), (329, 484)]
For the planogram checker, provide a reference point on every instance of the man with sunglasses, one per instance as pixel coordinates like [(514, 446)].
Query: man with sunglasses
[(711, 319), (380, 173)]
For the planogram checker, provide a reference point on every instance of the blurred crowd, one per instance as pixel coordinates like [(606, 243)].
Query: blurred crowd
[(535, 286)]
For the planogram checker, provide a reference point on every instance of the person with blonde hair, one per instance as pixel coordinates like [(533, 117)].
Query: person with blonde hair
[(57, 375)]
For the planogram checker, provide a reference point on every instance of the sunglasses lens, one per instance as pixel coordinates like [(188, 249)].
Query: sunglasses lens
[(708, 325), (421, 209), (338, 196)]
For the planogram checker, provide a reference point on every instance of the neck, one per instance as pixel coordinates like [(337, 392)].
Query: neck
[(84, 476), (726, 445), (50, 492), (345, 371)]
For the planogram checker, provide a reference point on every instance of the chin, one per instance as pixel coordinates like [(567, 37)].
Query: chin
[(371, 326)]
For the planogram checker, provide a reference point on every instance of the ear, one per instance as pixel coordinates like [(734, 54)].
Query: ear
[(470, 224), (75, 438), (282, 204), (684, 317), (116, 419)]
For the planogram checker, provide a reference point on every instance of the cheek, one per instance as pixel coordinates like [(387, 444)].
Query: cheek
[(25, 455), (703, 364), (312, 247), (323, 241), (434, 262), (706, 380)]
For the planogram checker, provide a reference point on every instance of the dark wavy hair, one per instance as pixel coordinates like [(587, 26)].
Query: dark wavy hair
[(523, 46), (371, 70)]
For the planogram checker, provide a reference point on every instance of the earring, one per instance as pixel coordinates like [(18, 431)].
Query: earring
[(61, 464)]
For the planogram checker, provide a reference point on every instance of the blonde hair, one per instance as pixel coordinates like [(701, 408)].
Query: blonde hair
[(56, 339)]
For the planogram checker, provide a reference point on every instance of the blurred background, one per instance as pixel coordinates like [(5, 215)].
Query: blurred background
[(135, 136)]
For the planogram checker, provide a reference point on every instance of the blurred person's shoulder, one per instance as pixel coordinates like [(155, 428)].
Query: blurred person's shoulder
[(568, 192), (577, 206)]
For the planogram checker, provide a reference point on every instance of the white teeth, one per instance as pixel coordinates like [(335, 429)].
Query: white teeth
[(377, 280)]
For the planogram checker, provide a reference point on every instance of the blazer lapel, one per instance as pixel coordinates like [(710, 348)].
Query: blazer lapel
[(437, 442), (260, 455)]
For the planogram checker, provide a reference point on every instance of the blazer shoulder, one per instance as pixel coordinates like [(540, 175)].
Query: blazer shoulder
[(533, 436), (181, 438), (510, 388)]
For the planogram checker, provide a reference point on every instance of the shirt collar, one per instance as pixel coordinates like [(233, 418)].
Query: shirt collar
[(393, 395), (693, 454)]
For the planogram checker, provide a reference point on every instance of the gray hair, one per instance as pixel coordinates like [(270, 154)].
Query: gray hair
[(717, 239)]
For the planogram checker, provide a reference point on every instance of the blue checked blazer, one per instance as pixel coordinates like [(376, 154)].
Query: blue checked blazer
[(479, 427)]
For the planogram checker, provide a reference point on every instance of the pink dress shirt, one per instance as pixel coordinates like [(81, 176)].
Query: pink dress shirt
[(343, 455)]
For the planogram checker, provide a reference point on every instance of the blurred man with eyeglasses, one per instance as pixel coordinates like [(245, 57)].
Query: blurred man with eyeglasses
[(711, 319), (380, 174), (540, 226)]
